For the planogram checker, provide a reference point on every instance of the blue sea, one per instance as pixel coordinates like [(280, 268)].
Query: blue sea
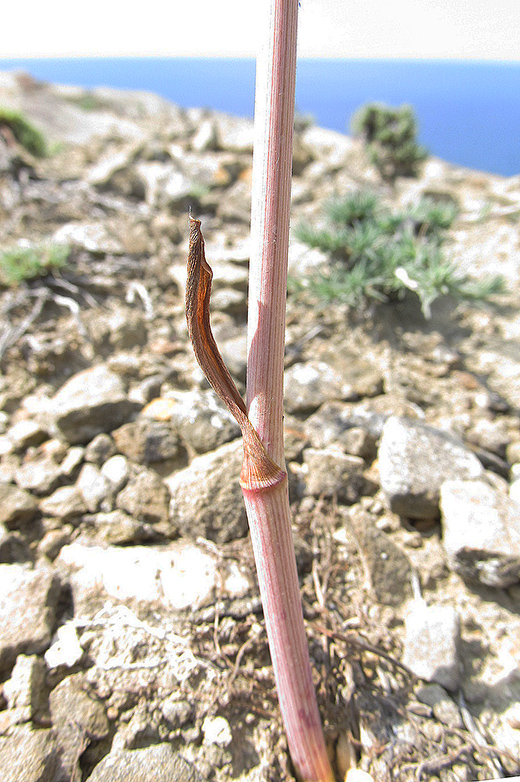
[(468, 112)]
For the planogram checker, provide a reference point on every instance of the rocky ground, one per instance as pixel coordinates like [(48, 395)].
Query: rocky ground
[(132, 643)]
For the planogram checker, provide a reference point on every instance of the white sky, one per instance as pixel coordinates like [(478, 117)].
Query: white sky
[(453, 29)]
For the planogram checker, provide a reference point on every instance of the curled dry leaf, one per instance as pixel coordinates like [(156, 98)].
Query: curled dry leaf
[(259, 471)]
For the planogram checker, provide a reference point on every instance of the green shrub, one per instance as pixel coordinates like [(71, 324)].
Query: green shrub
[(391, 138), (378, 254), (25, 263), (26, 134)]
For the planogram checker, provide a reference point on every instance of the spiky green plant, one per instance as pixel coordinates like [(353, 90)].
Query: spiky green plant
[(433, 215), (391, 137), (358, 207), (379, 254)]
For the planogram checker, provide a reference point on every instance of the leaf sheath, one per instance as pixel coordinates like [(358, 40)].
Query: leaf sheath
[(259, 471)]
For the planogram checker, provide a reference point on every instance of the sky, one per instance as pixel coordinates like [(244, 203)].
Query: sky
[(421, 29)]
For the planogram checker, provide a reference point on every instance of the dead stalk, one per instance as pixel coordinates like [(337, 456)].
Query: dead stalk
[(268, 509), (263, 479)]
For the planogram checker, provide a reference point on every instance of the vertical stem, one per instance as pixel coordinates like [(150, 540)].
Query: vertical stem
[(270, 523), (268, 509), (271, 193)]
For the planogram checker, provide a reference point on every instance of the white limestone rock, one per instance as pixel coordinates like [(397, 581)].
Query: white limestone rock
[(481, 532)]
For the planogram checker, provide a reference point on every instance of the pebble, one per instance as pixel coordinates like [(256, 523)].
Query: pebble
[(53, 540), (118, 528), (101, 448), (17, 506), (444, 709), (431, 643), (91, 402), (217, 730), (204, 501), (308, 385), (359, 442), (26, 433), (329, 473), (72, 461), (182, 576), (176, 712), (146, 441), (146, 498), (149, 764), (76, 713), (30, 755), (13, 548), (25, 690), (513, 716), (190, 579), (481, 532), (117, 471), (94, 487), (65, 650), (389, 569), (40, 475), (202, 421), (28, 604), (65, 503), (513, 452), (414, 460)]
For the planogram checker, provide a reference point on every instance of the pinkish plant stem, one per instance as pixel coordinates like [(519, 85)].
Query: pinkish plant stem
[(268, 507)]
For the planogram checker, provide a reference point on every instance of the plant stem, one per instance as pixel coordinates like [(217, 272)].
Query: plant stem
[(268, 508), (270, 523)]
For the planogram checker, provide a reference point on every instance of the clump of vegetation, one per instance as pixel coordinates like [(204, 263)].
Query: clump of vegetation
[(303, 121), (197, 192), (87, 101), (22, 263), (379, 254), (26, 134), (391, 138)]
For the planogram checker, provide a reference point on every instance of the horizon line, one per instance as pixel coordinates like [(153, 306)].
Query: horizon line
[(196, 56)]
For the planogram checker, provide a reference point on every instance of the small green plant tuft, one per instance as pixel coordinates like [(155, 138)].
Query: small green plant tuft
[(197, 192), (359, 207), (22, 263), (433, 216), (378, 254), (87, 101), (391, 138), (26, 134), (303, 121)]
